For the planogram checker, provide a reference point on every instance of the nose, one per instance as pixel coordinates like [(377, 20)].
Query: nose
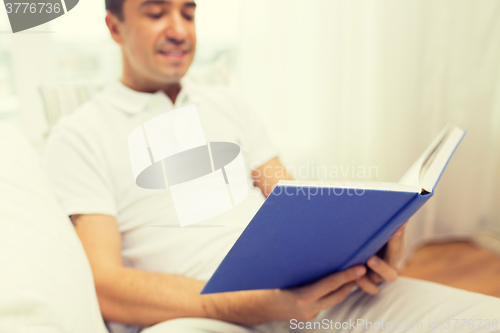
[(176, 31)]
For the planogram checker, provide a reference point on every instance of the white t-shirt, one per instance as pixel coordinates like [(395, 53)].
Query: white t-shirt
[(87, 160)]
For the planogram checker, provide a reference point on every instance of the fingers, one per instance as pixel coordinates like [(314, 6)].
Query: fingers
[(383, 269), (336, 296), (367, 285), (395, 249), (374, 277), (333, 282)]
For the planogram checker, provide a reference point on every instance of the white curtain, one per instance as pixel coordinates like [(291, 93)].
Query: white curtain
[(370, 83)]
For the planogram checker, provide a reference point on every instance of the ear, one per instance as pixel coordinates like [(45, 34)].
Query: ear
[(114, 25)]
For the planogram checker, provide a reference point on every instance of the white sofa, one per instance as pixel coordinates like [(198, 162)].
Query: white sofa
[(46, 283)]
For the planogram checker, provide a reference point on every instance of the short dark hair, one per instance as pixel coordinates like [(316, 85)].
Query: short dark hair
[(115, 7)]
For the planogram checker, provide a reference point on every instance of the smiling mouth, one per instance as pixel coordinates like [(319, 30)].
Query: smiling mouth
[(174, 54)]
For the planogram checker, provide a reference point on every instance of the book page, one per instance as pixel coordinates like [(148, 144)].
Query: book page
[(412, 177), (434, 167)]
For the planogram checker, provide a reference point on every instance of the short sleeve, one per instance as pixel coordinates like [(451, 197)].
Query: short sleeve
[(256, 145), (77, 172)]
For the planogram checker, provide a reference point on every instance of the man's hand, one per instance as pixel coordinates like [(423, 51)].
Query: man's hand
[(267, 176), (303, 303), (385, 265)]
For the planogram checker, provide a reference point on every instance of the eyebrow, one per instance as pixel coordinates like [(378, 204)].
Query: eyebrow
[(160, 2)]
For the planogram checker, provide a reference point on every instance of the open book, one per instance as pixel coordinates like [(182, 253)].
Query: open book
[(305, 231)]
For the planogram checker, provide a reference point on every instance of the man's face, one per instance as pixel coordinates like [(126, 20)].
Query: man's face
[(158, 38)]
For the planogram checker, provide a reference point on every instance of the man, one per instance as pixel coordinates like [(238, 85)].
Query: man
[(147, 270)]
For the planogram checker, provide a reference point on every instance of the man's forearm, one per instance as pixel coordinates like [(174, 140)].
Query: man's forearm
[(131, 296), (143, 298)]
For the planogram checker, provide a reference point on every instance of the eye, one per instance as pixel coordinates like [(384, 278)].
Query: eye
[(188, 13), (155, 16)]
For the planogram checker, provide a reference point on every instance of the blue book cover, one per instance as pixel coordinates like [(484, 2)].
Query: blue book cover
[(305, 231)]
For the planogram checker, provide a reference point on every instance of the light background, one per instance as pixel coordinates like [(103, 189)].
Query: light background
[(338, 83)]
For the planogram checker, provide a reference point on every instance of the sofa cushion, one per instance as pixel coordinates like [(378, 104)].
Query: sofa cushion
[(46, 283)]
